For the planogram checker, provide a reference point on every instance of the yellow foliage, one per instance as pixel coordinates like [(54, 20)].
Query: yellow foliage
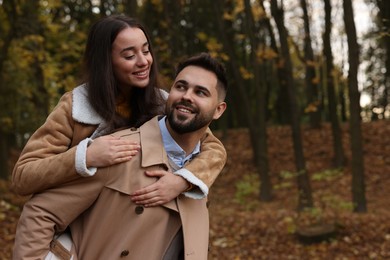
[(311, 63), (240, 36), (219, 55), (239, 7), (316, 80), (266, 54), (158, 5), (224, 56), (6, 123), (258, 12), (213, 45), (202, 36), (228, 17), (245, 73), (312, 107)]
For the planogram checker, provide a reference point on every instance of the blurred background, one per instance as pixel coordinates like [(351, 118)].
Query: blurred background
[(292, 63)]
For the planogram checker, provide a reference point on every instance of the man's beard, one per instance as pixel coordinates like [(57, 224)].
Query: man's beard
[(182, 125)]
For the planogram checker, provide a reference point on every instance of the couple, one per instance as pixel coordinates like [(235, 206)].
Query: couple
[(104, 222)]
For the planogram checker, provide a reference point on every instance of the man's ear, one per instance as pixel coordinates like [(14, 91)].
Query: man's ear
[(219, 110)]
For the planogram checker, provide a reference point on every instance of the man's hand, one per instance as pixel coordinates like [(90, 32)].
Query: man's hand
[(168, 187)]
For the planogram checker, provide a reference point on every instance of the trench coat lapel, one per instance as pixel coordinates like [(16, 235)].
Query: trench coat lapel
[(153, 151)]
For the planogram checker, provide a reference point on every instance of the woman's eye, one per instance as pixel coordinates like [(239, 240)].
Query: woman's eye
[(129, 57), (146, 52)]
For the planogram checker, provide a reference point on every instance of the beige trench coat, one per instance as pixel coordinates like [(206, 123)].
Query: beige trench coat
[(110, 225)]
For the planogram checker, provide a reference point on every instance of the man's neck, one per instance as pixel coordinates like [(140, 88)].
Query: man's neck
[(187, 141)]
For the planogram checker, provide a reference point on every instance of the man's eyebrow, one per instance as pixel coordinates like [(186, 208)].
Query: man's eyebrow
[(182, 81), (132, 47), (203, 88)]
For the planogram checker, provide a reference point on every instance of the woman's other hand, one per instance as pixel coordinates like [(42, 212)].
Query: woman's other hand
[(108, 150)]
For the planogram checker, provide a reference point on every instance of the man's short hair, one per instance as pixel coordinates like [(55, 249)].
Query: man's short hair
[(205, 61)]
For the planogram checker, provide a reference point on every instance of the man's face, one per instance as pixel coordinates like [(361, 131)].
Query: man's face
[(193, 100)]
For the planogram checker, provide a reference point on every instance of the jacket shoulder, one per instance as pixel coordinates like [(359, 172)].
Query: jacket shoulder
[(128, 133)]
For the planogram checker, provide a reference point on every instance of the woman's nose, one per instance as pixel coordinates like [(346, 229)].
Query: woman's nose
[(142, 60)]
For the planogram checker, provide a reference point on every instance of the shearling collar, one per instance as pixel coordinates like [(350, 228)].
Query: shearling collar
[(82, 110)]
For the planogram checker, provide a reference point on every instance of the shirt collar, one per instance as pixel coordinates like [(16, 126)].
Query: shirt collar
[(174, 151)]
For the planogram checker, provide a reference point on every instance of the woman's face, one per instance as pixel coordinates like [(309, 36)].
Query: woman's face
[(131, 59)]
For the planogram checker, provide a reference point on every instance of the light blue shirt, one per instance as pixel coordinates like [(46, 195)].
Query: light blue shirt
[(174, 151)]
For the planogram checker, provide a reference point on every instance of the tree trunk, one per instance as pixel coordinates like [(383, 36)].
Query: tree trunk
[(261, 158), (282, 103), (311, 85), (225, 37), (338, 159), (358, 186), (304, 189), (131, 8), (384, 15), (10, 11)]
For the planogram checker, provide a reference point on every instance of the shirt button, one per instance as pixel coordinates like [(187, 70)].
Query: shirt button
[(139, 210), (133, 129), (124, 253)]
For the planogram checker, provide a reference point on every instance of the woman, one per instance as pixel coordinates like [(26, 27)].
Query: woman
[(120, 90)]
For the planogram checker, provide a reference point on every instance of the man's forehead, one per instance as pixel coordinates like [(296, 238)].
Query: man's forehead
[(194, 75)]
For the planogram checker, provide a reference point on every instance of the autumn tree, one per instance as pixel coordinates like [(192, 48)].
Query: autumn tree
[(260, 90), (9, 16), (330, 86), (377, 72), (358, 185), (304, 188), (311, 80)]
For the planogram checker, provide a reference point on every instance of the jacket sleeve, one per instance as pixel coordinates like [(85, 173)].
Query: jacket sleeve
[(205, 167), (47, 159), (49, 213)]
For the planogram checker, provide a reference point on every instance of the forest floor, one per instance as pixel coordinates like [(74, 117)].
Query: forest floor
[(243, 227)]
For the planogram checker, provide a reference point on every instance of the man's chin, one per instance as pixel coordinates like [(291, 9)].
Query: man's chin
[(183, 119)]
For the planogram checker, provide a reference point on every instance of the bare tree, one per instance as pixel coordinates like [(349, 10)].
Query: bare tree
[(358, 185), (304, 188), (311, 85), (12, 16), (332, 102), (384, 16), (261, 153)]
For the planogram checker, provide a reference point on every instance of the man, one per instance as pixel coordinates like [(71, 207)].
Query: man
[(104, 222)]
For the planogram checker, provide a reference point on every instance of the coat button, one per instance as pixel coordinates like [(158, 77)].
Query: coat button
[(139, 210), (124, 253)]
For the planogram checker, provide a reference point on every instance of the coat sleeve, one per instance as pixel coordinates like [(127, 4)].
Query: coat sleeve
[(47, 159), (204, 168), (50, 212)]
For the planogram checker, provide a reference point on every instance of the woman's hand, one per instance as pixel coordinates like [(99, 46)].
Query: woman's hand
[(108, 150), (167, 188)]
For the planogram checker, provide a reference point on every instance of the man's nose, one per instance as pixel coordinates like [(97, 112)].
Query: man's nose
[(188, 95)]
